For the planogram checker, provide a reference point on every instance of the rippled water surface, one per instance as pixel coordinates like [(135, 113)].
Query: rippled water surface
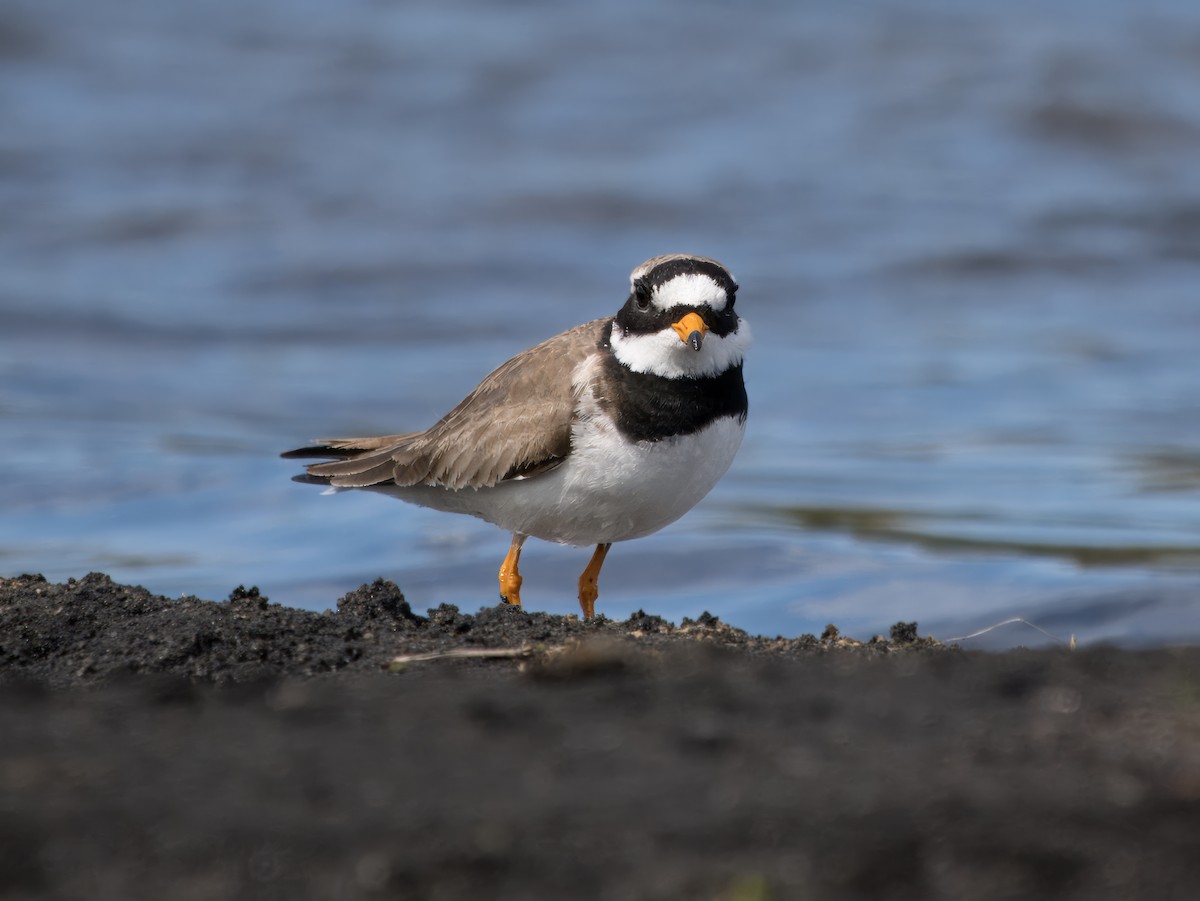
[(968, 240)]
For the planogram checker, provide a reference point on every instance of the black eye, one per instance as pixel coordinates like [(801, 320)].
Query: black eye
[(641, 295)]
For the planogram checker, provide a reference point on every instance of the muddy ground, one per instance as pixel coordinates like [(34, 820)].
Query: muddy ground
[(159, 748)]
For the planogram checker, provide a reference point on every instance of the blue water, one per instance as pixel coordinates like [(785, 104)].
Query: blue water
[(967, 235)]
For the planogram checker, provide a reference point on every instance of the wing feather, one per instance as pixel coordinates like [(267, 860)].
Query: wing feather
[(515, 424)]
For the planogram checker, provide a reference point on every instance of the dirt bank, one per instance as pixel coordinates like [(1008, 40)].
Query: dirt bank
[(156, 748)]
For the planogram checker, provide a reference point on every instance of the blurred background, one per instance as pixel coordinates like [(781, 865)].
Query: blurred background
[(967, 235)]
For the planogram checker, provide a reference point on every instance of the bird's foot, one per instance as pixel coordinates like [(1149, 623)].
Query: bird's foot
[(510, 588), (510, 576)]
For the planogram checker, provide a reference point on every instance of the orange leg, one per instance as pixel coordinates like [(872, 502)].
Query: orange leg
[(589, 581), (510, 578)]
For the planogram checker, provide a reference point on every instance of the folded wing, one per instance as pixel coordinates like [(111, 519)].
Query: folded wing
[(515, 424)]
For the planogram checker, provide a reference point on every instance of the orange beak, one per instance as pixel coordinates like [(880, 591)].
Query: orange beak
[(691, 330)]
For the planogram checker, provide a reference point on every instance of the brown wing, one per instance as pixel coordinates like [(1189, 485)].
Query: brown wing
[(517, 422)]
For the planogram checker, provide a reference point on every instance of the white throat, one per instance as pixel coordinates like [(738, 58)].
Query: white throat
[(663, 354)]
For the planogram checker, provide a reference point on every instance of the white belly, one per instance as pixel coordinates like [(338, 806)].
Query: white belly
[(606, 490)]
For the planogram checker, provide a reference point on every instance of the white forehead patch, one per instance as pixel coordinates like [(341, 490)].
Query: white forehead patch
[(690, 289)]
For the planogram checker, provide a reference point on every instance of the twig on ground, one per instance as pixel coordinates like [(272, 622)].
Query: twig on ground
[(1070, 643), (403, 660)]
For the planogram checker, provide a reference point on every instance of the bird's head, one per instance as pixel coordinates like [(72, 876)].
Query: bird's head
[(679, 320)]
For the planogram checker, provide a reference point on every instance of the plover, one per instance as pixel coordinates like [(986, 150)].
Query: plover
[(606, 432)]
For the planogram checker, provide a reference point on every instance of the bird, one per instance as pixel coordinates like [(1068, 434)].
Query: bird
[(606, 432)]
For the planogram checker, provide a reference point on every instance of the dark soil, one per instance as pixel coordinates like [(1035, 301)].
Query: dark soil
[(94, 630), (157, 748)]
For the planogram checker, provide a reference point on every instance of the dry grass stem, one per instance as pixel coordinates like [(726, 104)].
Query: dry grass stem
[(1070, 642), (460, 653)]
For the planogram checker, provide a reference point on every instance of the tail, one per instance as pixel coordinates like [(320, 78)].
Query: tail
[(355, 463)]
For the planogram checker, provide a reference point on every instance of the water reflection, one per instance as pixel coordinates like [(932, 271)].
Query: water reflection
[(941, 532)]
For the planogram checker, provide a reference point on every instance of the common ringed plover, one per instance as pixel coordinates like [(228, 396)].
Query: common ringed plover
[(606, 432)]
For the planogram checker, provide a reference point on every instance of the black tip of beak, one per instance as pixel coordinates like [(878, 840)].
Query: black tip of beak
[(695, 339)]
